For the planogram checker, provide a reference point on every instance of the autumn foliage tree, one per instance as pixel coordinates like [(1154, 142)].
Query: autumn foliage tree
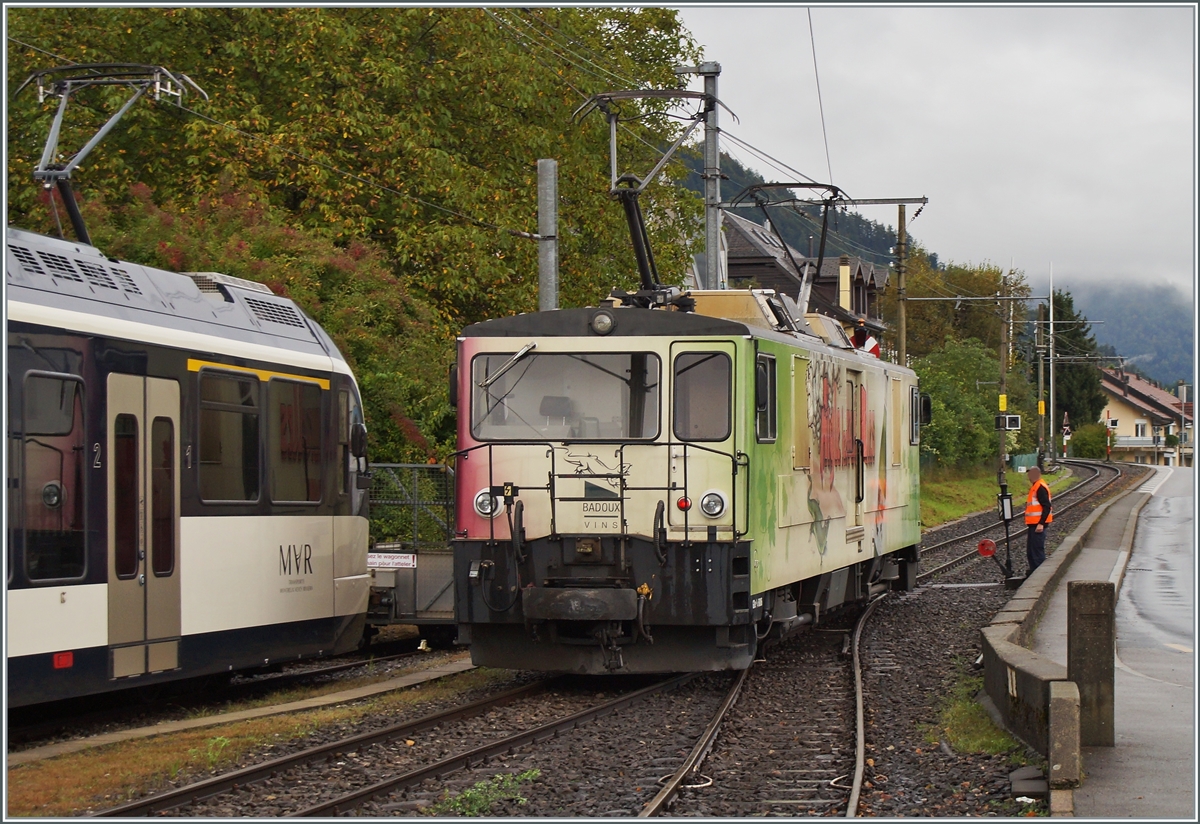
[(411, 133)]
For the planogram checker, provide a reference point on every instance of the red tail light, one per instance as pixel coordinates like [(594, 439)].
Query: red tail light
[(64, 660)]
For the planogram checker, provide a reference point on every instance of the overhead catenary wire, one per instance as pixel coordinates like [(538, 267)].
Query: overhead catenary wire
[(820, 104)]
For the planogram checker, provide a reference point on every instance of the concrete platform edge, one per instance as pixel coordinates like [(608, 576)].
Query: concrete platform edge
[(1016, 679)]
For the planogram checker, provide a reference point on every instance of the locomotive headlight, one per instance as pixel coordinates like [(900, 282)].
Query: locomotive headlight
[(712, 503), (603, 323), (52, 495), (486, 503)]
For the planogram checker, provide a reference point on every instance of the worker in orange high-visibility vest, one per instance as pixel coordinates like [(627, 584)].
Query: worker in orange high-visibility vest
[(1037, 517)]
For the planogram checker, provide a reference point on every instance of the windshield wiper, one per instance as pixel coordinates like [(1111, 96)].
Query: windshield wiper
[(509, 364)]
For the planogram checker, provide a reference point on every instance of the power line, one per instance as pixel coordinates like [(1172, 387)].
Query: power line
[(812, 39)]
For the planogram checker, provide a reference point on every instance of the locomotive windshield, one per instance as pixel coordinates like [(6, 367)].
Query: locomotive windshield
[(561, 396)]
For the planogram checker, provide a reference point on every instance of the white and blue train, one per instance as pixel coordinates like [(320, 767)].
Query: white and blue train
[(187, 485)]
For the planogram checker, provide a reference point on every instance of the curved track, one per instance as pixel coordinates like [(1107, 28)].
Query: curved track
[(1088, 487)]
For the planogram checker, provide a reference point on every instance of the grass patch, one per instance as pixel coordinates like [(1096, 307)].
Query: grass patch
[(965, 725), (948, 494), (478, 800), (103, 777)]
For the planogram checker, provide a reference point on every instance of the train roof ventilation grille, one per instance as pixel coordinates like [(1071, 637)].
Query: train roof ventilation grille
[(126, 281), (275, 313), (96, 275), (28, 259), (59, 266)]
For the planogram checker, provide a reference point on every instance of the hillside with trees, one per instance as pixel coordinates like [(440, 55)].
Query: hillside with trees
[(341, 158)]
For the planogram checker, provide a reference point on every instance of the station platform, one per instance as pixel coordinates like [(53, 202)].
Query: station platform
[(1143, 543)]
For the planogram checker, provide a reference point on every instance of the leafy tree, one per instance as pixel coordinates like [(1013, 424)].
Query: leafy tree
[(385, 334), (416, 128), (1090, 441), (376, 164), (1076, 372), (962, 428), (930, 322)]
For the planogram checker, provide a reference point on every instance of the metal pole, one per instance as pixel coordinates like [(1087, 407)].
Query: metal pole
[(1040, 345), (1003, 386), (903, 331), (547, 234), (712, 183), (1053, 440)]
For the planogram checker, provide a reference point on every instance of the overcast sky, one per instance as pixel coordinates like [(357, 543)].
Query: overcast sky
[(1039, 135)]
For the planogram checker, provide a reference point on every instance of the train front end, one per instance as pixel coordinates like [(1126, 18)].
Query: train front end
[(598, 524)]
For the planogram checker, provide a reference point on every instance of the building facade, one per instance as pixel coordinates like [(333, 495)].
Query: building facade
[(1146, 424)]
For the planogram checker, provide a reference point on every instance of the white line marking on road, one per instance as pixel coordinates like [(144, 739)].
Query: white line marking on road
[(1156, 480)]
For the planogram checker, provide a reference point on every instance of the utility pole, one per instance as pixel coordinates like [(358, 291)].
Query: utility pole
[(712, 182), (1005, 307), (547, 234), (1053, 440), (1039, 346), (903, 330)]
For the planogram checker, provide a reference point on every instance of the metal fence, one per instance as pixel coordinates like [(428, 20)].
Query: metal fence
[(412, 525)]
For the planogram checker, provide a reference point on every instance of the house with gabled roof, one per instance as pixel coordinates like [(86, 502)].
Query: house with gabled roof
[(847, 288), (1146, 424)]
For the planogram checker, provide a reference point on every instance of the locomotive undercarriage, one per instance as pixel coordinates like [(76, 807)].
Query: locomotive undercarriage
[(615, 604)]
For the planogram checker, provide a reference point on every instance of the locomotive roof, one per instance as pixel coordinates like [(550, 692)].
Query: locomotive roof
[(630, 322), (61, 275)]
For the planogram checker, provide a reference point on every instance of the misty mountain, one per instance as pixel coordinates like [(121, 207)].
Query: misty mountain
[(1151, 325)]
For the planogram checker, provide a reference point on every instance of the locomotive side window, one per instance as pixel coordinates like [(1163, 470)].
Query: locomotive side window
[(127, 482), (897, 418), (229, 427), (703, 383), (801, 434), (162, 495), (765, 415), (52, 476), (914, 416), (294, 445), (560, 396)]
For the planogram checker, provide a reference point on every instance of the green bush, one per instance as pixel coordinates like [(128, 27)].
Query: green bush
[(1089, 441)]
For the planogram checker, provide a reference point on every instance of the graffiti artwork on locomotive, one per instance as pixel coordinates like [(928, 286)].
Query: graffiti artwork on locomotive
[(185, 493), (650, 490)]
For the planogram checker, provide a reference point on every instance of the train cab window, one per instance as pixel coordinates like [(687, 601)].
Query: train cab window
[(229, 437), (801, 434), (51, 477), (343, 430), (581, 396), (765, 414), (294, 446), (162, 495), (703, 383), (914, 416)]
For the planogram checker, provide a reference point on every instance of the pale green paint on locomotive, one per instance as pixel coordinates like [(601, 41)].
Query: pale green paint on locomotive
[(797, 518)]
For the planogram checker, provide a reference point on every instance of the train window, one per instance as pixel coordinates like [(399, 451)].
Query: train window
[(294, 447), (897, 418), (914, 416), (565, 396), (52, 477), (229, 427), (703, 381), (801, 434), (162, 495), (765, 415), (343, 430), (126, 479)]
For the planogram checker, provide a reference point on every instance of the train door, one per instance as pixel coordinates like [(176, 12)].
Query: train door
[(143, 525), (702, 427), (856, 478)]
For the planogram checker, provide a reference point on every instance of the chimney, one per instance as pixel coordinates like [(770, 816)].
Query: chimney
[(844, 282)]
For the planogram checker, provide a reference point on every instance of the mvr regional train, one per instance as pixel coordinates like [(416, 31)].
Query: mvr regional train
[(653, 490), (184, 464)]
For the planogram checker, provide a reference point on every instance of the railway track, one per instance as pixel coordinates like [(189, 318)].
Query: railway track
[(31, 725), (953, 547), (286, 780), (794, 737)]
